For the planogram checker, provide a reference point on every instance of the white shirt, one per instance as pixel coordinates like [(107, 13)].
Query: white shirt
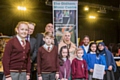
[(86, 47), (20, 40), (46, 46), (92, 52)]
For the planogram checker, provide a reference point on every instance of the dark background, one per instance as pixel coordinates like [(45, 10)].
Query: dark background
[(105, 27)]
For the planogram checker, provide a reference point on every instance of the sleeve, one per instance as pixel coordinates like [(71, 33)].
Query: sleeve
[(39, 39), (28, 62), (86, 70), (113, 63), (56, 43), (60, 75), (38, 62), (6, 59), (103, 61), (57, 59), (87, 60), (73, 68), (69, 69)]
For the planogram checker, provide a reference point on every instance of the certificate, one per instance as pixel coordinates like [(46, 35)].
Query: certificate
[(98, 72)]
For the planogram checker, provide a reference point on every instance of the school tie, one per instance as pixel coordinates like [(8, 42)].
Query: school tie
[(48, 48), (23, 43)]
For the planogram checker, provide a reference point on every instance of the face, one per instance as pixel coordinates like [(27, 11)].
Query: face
[(64, 53), (80, 53), (49, 28), (100, 47), (48, 40), (93, 47), (22, 30), (67, 36), (86, 41), (31, 29)]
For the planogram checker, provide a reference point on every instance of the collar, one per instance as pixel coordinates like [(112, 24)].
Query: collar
[(19, 39), (86, 46), (79, 58), (92, 52), (46, 46)]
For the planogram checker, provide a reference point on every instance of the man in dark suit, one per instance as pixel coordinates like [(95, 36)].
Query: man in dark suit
[(32, 41), (39, 38)]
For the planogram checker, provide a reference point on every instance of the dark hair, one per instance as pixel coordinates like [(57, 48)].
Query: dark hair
[(60, 55), (89, 50), (86, 36)]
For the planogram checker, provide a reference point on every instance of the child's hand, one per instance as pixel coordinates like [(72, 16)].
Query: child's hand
[(40, 78), (28, 77), (57, 76), (110, 68), (9, 78), (104, 72), (91, 70)]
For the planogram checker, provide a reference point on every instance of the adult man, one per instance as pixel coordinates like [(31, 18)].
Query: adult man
[(85, 45), (32, 41), (39, 38)]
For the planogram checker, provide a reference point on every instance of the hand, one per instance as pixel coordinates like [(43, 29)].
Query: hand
[(110, 68), (9, 78), (104, 72), (28, 77), (40, 78), (91, 70), (57, 76)]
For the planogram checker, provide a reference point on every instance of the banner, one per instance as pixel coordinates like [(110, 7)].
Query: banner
[(65, 18)]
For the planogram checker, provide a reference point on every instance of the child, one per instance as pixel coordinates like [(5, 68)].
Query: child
[(16, 57), (110, 62), (93, 58), (79, 66), (64, 63), (47, 60)]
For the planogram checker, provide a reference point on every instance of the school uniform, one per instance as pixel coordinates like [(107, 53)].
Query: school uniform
[(93, 59), (85, 49), (79, 69), (16, 59), (47, 62), (65, 69), (109, 62)]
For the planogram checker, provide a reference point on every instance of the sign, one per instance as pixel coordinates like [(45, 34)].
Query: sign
[(65, 18)]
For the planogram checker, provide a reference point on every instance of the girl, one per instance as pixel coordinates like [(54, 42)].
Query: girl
[(110, 63), (16, 58), (93, 58), (79, 66), (64, 71)]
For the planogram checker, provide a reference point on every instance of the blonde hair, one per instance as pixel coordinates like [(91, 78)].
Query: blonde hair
[(32, 23), (19, 23), (79, 49)]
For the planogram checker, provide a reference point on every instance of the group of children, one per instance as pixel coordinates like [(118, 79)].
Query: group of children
[(51, 64)]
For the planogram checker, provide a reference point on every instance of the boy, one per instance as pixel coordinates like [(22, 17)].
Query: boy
[(79, 67), (47, 59)]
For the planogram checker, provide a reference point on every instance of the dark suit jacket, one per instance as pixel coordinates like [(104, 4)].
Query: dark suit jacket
[(39, 43), (32, 45)]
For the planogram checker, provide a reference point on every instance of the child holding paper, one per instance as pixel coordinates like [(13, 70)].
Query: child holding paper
[(93, 58)]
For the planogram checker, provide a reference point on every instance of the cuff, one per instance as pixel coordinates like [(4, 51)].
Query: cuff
[(7, 76), (28, 73), (39, 75), (57, 72)]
